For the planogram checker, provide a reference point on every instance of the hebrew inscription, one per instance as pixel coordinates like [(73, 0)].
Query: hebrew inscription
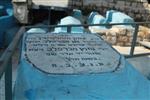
[(70, 53)]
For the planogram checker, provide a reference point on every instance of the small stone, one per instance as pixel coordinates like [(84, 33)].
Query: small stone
[(123, 39), (127, 3), (111, 33), (111, 40), (134, 4), (127, 44), (141, 34), (146, 40), (139, 39), (119, 30), (120, 44), (111, 5), (129, 34), (130, 39)]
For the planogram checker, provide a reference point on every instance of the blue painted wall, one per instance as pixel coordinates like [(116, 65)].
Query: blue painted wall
[(7, 20)]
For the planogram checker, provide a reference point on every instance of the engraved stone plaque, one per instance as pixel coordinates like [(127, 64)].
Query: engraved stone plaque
[(70, 53)]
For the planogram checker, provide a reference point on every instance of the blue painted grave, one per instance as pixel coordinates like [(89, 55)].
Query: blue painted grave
[(74, 67)]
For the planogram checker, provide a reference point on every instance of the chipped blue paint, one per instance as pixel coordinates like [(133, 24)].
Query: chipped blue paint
[(30, 94)]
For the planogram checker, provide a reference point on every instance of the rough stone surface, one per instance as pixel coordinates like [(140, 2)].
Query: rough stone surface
[(123, 36), (130, 8), (111, 39)]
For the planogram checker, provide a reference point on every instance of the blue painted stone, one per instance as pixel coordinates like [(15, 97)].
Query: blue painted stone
[(113, 16), (68, 21), (91, 16), (77, 14)]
